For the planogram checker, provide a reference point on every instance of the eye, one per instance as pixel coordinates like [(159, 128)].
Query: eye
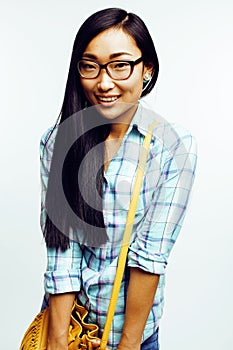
[(88, 66), (120, 65)]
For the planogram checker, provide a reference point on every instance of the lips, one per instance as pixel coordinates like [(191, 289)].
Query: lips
[(107, 99)]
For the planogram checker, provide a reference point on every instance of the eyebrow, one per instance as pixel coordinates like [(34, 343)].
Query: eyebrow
[(113, 55)]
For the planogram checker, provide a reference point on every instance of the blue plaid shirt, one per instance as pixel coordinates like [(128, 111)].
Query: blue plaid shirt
[(160, 212)]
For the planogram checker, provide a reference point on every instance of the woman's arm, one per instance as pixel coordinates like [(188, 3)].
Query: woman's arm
[(140, 297), (62, 277), (156, 235), (60, 306)]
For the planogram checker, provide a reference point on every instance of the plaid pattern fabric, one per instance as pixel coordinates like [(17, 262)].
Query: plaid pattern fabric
[(160, 212)]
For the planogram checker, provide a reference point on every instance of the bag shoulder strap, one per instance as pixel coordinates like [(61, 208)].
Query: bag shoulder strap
[(127, 234)]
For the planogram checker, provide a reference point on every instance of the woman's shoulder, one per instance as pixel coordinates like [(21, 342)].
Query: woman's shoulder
[(186, 141), (176, 138), (47, 141), (179, 133), (163, 128), (48, 135)]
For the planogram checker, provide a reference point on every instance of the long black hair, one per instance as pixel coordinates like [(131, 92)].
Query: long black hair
[(87, 138)]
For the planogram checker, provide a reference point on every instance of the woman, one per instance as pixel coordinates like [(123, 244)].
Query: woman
[(88, 165)]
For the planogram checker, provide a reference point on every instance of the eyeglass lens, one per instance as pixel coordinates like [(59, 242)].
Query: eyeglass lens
[(116, 69)]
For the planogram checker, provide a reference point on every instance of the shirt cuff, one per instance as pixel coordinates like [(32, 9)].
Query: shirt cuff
[(155, 263), (65, 281)]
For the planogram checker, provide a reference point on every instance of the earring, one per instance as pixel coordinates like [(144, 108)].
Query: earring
[(147, 77)]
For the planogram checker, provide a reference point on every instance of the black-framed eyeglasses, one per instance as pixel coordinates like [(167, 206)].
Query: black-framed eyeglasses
[(117, 70)]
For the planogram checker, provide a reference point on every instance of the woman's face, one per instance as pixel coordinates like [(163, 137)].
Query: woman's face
[(115, 98)]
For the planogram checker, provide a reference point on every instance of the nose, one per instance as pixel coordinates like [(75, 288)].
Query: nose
[(105, 81)]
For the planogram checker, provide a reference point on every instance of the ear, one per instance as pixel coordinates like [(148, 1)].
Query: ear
[(148, 71)]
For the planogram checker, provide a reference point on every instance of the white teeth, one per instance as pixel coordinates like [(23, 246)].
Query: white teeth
[(107, 99)]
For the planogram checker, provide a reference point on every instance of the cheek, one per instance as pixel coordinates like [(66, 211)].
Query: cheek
[(87, 86), (136, 86), (138, 81)]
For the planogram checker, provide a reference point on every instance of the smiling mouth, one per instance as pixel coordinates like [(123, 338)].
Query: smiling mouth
[(107, 99)]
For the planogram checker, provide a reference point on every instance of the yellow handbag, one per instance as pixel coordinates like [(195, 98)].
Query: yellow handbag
[(81, 335)]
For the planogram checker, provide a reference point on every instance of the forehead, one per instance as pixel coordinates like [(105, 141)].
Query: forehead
[(112, 41)]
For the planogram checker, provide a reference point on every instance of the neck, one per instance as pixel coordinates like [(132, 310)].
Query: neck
[(121, 125), (118, 130)]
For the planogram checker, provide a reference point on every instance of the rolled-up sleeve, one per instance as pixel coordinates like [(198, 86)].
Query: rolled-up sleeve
[(158, 231), (63, 268)]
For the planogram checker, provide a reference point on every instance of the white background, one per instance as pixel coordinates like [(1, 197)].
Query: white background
[(194, 44)]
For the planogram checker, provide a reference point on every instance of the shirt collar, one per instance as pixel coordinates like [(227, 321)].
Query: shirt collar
[(142, 119)]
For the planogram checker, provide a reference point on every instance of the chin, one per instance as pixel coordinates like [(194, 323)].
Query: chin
[(116, 111), (109, 112)]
